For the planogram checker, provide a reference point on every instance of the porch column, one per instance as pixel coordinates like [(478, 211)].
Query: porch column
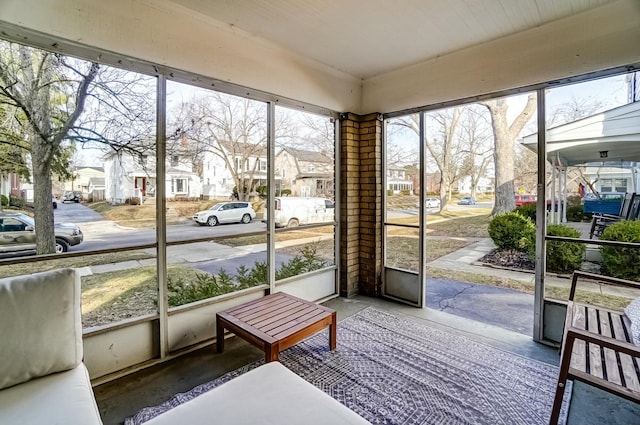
[(360, 204)]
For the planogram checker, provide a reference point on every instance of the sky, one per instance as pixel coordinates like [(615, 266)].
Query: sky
[(611, 91)]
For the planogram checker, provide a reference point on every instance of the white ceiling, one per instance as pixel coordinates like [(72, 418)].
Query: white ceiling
[(366, 38)]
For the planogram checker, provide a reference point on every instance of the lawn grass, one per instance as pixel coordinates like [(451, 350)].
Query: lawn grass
[(458, 224), (140, 216), (73, 262), (122, 294)]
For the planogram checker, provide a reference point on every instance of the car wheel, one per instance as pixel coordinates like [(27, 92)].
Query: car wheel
[(212, 221), (61, 246), (246, 219), (293, 223)]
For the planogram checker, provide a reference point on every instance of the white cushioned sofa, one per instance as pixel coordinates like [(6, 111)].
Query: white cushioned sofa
[(42, 377)]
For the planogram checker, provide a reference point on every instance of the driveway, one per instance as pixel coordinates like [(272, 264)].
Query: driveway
[(501, 307), (72, 212)]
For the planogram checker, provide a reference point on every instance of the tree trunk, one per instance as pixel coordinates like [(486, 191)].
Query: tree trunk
[(45, 235), (504, 149), (503, 160)]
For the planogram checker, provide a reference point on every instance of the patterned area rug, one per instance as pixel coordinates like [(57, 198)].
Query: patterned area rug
[(395, 370)]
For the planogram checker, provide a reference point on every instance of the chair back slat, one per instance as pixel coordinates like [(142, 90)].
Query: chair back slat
[(634, 209), (625, 207)]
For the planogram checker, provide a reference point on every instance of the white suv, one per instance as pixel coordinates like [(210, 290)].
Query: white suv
[(226, 212)]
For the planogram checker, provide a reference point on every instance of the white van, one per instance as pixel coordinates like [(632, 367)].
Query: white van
[(292, 211)]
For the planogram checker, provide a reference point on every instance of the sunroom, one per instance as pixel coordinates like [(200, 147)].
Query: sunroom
[(372, 87)]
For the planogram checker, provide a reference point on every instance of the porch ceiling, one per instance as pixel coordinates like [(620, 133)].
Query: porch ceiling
[(392, 34), (615, 131)]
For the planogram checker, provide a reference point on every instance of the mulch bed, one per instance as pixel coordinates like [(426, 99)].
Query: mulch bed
[(509, 259)]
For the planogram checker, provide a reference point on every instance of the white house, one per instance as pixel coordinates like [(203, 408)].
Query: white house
[(245, 161), (398, 180), (485, 184), (127, 177)]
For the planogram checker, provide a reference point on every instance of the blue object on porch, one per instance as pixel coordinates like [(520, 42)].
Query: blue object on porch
[(608, 206)]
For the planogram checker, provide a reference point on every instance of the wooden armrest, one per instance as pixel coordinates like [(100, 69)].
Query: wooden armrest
[(600, 278), (604, 341), (609, 217)]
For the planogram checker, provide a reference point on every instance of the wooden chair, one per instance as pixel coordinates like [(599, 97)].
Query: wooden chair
[(597, 347), (630, 207)]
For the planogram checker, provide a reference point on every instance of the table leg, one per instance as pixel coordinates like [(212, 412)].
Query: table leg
[(333, 332), (271, 352), (219, 335)]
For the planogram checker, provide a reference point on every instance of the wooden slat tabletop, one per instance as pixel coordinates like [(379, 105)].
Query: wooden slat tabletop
[(275, 322)]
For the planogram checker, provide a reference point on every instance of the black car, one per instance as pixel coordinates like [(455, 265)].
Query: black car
[(71, 196)]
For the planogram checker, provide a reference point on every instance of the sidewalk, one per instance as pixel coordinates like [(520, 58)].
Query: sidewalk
[(466, 259), (195, 253)]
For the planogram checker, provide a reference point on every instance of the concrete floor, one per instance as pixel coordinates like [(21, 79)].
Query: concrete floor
[(124, 397)]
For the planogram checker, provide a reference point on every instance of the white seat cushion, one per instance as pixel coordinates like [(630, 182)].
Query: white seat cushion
[(40, 325), (64, 398), (270, 394), (632, 311)]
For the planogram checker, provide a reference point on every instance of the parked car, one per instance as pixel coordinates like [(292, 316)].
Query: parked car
[(54, 201), (71, 196), (467, 200), (526, 199), (432, 203), (292, 211), (18, 234), (226, 212)]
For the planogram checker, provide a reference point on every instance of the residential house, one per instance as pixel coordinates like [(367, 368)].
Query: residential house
[(399, 181), (606, 179), (11, 185), (230, 161), (81, 175), (483, 185), (96, 190), (127, 177), (306, 173)]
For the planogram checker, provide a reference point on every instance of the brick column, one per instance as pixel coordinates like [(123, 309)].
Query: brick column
[(360, 204)]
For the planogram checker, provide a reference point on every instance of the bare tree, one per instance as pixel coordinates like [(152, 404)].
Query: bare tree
[(574, 109), (232, 128), (55, 101), (319, 134), (442, 145), (505, 135), (475, 137)]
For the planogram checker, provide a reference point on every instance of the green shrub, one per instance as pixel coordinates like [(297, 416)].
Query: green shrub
[(564, 257), (307, 261), (621, 262), (204, 286), (513, 231), (4, 201), (405, 192), (527, 210), (574, 200), (15, 201), (208, 286), (285, 192), (574, 213)]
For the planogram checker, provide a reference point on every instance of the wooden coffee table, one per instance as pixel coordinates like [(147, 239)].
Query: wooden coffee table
[(275, 322)]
